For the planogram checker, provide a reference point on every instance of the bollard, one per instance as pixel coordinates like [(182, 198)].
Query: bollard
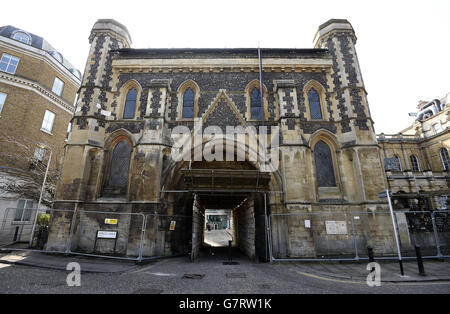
[(370, 253), (371, 258), (420, 261), (230, 258)]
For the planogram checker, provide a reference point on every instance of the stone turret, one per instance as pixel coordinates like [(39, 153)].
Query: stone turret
[(91, 115), (338, 36), (106, 35)]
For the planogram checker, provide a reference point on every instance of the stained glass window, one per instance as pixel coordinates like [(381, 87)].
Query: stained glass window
[(324, 165), (119, 165), (130, 104), (314, 104), (188, 104), (255, 105)]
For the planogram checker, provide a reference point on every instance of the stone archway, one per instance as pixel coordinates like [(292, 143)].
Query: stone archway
[(189, 188)]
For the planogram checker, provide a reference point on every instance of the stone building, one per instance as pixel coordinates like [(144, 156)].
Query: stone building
[(37, 91), (417, 160), (119, 154)]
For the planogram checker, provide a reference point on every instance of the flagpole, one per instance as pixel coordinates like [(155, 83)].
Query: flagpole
[(261, 94)]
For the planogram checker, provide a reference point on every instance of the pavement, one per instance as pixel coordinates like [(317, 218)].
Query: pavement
[(60, 262), (435, 270), (34, 272)]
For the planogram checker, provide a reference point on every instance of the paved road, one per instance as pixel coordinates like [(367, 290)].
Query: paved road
[(217, 238), (166, 276)]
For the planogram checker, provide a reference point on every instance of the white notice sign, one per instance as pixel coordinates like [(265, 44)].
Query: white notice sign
[(106, 234), (307, 223), (336, 227)]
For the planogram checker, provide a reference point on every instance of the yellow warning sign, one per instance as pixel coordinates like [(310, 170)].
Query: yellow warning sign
[(172, 225), (111, 221)]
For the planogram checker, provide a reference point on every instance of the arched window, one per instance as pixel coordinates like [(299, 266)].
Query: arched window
[(398, 164), (130, 104), (188, 104), (324, 165), (314, 104), (57, 56), (414, 163), (22, 37), (255, 105), (120, 163), (76, 73), (445, 159)]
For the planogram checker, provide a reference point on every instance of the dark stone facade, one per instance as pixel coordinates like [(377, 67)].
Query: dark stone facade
[(234, 84)]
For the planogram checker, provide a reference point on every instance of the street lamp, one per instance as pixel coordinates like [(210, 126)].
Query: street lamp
[(40, 196)]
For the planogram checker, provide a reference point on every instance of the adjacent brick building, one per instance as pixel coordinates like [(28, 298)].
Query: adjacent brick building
[(38, 87), (417, 160)]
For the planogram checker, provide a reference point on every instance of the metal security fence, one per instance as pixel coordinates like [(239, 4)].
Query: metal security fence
[(167, 235), (324, 235), (305, 236), (118, 235), (347, 235), (442, 231), (16, 225), (428, 229), (102, 233)]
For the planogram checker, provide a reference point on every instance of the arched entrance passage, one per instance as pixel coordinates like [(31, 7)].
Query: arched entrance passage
[(192, 188)]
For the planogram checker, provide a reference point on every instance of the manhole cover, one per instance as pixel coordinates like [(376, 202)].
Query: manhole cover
[(264, 286), (147, 291), (194, 276), (236, 275)]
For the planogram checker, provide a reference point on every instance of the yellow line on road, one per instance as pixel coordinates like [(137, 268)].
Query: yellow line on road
[(382, 283)]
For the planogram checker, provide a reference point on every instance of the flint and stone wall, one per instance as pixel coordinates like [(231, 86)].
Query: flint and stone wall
[(222, 80)]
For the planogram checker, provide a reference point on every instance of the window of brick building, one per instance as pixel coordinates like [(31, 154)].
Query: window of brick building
[(445, 159), (57, 56), (22, 37), (2, 101), (58, 86), (398, 164), (23, 212), (414, 163), (47, 122), (9, 63)]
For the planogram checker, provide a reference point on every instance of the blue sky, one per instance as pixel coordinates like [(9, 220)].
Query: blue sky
[(403, 46)]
